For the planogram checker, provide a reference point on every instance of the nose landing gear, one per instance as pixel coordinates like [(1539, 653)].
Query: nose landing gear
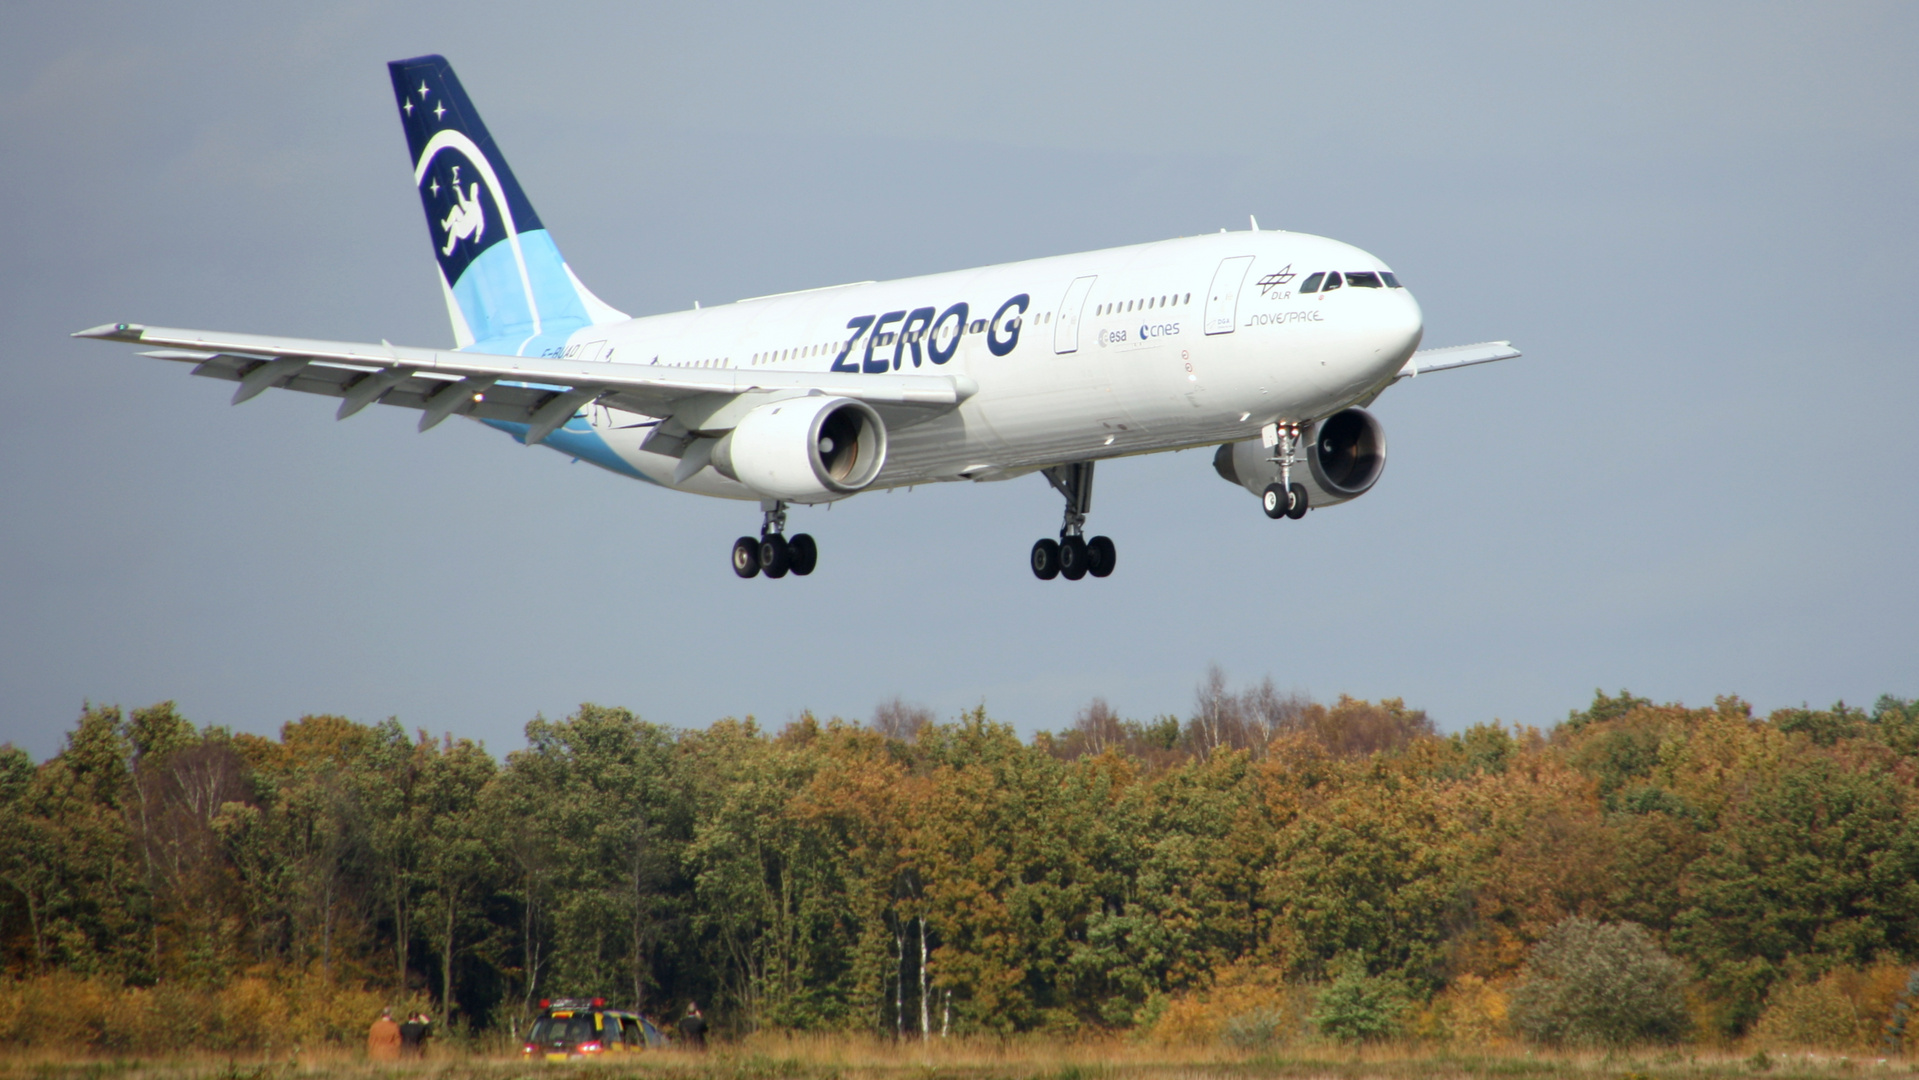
[(1073, 556), (1285, 499), (773, 554)]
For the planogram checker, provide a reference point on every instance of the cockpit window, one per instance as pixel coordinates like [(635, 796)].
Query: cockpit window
[(1363, 279), (1312, 282), (1332, 282), (1391, 281)]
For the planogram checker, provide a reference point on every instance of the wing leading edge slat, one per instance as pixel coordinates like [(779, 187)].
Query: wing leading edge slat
[(539, 392)]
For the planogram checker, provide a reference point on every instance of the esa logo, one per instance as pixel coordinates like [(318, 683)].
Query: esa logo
[(939, 334)]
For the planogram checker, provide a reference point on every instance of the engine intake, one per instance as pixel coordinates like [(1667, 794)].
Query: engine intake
[(810, 449), (1344, 457), (1348, 453)]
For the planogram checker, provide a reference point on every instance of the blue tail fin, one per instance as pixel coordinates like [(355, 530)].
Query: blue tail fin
[(507, 288)]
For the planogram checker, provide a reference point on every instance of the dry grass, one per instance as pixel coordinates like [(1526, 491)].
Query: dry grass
[(841, 1058)]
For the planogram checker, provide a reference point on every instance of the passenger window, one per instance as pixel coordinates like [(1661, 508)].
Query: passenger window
[(1332, 282), (1312, 282), (1363, 279)]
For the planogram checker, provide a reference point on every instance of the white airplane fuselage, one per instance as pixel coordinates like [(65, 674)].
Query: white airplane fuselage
[(1256, 344), (1180, 343)]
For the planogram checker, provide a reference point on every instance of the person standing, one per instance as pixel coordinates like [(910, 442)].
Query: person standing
[(693, 1027), (383, 1038), (413, 1035)]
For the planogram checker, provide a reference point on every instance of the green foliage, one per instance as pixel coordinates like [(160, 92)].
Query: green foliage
[(1372, 872), (1895, 722), (1189, 875), (1818, 865), (1823, 726), (1356, 1007), (1599, 984), (1816, 1015), (1604, 709)]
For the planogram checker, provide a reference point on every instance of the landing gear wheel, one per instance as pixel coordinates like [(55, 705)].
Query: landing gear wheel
[(1298, 508), (1273, 500), (775, 557), (802, 554), (1100, 556), (1046, 560), (746, 557), (1072, 558)]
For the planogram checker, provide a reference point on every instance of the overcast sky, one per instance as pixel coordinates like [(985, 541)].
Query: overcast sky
[(1697, 220)]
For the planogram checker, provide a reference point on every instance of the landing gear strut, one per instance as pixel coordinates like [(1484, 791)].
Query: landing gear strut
[(1284, 499), (1073, 556), (773, 554)]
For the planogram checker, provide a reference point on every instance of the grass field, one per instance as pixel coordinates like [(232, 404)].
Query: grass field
[(842, 1059)]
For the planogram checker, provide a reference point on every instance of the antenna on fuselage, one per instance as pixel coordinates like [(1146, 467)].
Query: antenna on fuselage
[(1254, 220)]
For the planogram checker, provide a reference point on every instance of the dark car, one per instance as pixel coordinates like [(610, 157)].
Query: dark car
[(577, 1028)]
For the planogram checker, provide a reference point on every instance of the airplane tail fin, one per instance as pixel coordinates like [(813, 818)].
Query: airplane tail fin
[(507, 288)]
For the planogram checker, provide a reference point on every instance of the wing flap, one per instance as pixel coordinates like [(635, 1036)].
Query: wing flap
[(509, 388)]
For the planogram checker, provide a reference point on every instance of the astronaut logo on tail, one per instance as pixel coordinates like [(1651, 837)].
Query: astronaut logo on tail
[(466, 220)]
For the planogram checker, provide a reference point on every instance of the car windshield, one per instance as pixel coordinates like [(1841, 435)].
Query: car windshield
[(562, 1029)]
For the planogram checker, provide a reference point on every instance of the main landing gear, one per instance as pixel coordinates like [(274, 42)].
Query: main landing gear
[(1285, 499), (773, 554), (1073, 556)]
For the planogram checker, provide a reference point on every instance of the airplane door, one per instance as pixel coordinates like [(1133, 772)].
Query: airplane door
[(1066, 329), (1222, 300)]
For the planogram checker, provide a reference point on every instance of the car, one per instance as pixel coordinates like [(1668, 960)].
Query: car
[(573, 1029)]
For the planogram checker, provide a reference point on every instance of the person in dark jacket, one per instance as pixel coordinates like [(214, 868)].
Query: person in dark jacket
[(413, 1035), (693, 1027)]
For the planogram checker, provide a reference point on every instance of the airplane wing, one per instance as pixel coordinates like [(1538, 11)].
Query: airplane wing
[(541, 393), (1456, 356)]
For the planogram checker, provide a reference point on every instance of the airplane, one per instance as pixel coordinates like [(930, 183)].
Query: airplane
[(1268, 345)]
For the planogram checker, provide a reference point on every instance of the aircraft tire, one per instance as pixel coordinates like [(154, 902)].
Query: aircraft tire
[(1072, 558), (802, 553), (746, 557), (1100, 556), (1273, 501), (775, 557), (1298, 508), (1046, 559)]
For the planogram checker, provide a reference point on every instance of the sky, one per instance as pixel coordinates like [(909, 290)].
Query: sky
[(1696, 220)]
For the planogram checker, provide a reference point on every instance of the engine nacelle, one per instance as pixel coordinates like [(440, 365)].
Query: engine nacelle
[(1344, 455), (805, 450)]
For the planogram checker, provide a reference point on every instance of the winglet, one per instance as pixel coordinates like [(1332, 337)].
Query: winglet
[(125, 331)]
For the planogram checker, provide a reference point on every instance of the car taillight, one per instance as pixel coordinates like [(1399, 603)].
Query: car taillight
[(528, 1048), (589, 1048)]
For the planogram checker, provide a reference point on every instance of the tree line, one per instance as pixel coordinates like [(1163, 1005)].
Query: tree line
[(1185, 877)]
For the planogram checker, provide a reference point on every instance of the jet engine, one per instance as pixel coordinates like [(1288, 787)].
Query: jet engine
[(1343, 456), (805, 450)]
